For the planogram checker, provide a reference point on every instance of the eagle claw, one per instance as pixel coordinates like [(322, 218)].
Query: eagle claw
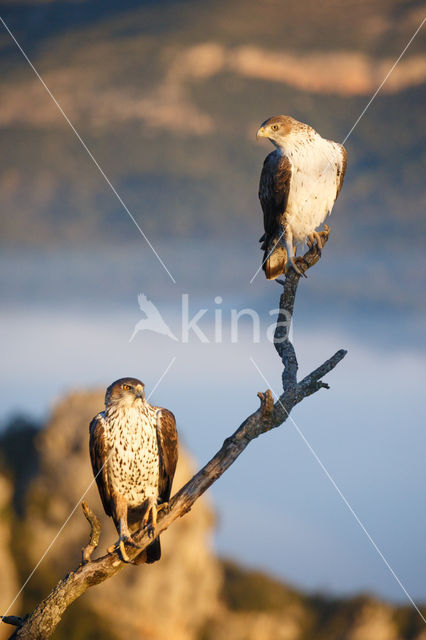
[(163, 506), (150, 523), (315, 240), (120, 548), (292, 264)]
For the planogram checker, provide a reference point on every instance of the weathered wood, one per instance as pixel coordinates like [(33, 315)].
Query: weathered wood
[(46, 616), (95, 533)]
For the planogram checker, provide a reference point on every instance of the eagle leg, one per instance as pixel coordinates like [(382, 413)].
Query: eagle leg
[(124, 535), (292, 264), (151, 510), (291, 253), (119, 546)]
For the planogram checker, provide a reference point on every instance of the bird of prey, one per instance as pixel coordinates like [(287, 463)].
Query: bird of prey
[(299, 184), (134, 451)]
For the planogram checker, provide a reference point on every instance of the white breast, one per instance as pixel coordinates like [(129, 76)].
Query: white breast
[(316, 166), (133, 465)]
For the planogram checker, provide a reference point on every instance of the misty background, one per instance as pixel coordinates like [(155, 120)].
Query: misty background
[(168, 97)]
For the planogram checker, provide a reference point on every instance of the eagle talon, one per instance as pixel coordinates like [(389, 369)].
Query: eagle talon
[(120, 548), (315, 240), (164, 507), (324, 236), (123, 552), (152, 511), (292, 264)]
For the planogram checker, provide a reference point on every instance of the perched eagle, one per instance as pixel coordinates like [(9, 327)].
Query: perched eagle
[(133, 449), (299, 184)]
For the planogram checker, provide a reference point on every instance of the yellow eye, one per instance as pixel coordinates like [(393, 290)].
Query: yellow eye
[(126, 387), (274, 127)]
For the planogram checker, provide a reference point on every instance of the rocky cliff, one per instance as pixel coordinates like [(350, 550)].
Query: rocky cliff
[(8, 575)]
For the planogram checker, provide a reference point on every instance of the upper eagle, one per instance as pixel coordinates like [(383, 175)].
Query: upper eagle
[(299, 184), (133, 450)]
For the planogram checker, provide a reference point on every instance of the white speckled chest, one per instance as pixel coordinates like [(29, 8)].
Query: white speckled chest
[(133, 465), (313, 185)]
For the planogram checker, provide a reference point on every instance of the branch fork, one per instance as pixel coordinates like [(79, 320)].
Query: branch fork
[(42, 622)]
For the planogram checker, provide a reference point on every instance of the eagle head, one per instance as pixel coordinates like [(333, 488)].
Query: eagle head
[(277, 128), (125, 391)]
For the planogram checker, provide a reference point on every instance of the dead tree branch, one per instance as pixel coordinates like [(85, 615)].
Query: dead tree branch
[(95, 533), (45, 617)]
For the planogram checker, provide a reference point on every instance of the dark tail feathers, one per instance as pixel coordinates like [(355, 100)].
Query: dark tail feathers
[(153, 552), (274, 264)]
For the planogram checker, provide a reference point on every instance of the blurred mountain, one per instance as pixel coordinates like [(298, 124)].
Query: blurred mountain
[(9, 578), (168, 97), (189, 595)]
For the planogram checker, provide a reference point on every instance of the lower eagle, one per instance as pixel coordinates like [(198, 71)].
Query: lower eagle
[(134, 451), (299, 184)]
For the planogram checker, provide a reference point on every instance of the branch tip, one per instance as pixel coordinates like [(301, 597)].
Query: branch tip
[(95, 532), (266, 404), (15, 621)]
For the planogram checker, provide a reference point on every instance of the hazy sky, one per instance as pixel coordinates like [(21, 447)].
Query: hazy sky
[(68, 314), (368, 431)]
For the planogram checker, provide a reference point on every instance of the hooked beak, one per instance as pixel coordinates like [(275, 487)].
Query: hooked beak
[(260, 133), (140, 393)]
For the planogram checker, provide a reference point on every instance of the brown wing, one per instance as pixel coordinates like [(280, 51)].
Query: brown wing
[(168, 449), (274, 188), (341, 172), (98, 457)]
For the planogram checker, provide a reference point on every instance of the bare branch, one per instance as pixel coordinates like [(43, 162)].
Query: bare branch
[(42, 622), (281, 336), (15, 621), (312, 382), (95, 532)]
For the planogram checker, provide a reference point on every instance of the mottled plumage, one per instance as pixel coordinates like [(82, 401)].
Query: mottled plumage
[(133, 449), (299, 184)]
